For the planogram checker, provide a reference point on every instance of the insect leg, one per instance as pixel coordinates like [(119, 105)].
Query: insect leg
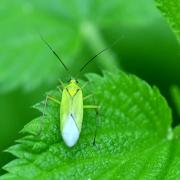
[(60, 88), (85, 84), (87, 97), (45, 104), (52, 99), (61, 83), (92, 107), (97, 114), (97, 117)]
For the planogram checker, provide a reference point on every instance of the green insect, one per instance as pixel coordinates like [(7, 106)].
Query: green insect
[(71, 105)]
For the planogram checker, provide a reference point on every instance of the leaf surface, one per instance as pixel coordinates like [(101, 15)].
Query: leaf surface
[(171, 11), (134, 137)]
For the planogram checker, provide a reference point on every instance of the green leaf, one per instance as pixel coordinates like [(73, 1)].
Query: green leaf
[(171, 11), (134, 137), (74, 28), (175, 93)]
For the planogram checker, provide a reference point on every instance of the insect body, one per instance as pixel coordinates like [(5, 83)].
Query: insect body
[(71, 113), (71, 105)]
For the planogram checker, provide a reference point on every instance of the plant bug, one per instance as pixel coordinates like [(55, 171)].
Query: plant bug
[(71, 105)]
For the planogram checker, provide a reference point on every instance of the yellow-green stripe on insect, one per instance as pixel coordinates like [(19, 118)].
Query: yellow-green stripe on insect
[(71, 106)]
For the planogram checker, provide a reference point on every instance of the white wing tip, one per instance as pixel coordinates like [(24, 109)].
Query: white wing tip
[(70, 132)]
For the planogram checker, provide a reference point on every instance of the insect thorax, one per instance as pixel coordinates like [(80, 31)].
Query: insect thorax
[(72, 87)]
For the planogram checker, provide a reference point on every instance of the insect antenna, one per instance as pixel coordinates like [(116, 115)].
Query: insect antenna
[(83, 67), (48, 45), (90, 60)]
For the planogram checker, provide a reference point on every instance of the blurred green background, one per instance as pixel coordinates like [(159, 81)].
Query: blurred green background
[(77, 30)]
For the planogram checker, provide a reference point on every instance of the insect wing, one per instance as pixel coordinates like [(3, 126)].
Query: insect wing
[(71, 116)]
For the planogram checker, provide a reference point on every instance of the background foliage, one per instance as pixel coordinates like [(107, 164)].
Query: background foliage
[(147, 47)]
